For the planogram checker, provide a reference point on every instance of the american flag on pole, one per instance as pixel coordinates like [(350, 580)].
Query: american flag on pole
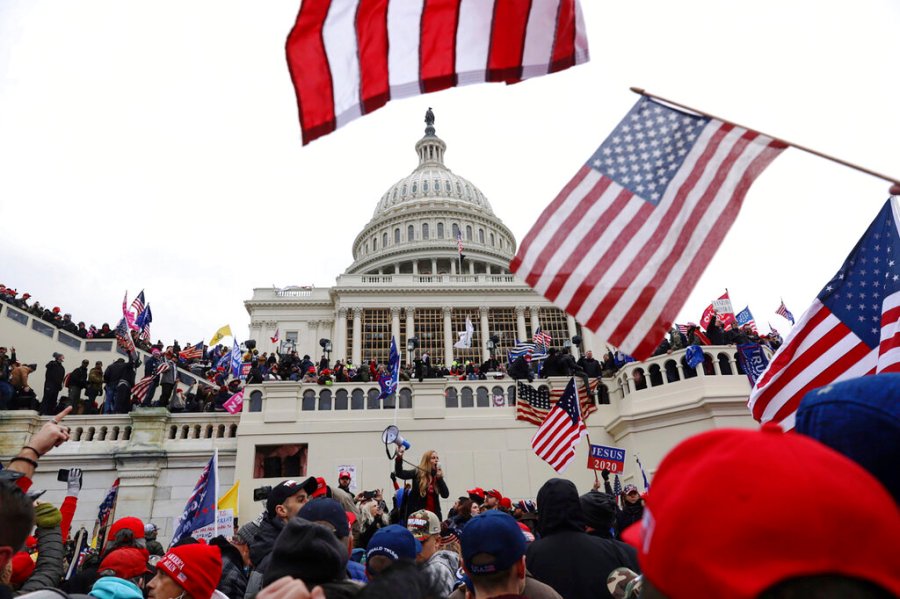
[(784, 312), (143, 320), (104, 514), (123, 336), (139, 391), (555, 440), (745, 317), (851, 329), (623, 244), (348, 58), (533, 404), (192, 352), (541, 339), (459, 244), (137, 306)]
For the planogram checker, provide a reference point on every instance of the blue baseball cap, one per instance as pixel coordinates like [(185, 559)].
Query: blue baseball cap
[(494, 534), (395, 542), (323, 510), (859, 418)]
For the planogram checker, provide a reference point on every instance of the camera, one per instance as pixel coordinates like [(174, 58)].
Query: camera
[(369, 494), (262, 493)]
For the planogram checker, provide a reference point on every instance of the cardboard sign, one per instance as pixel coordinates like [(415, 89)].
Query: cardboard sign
[(601, 457), (352, 470), (225, 521)]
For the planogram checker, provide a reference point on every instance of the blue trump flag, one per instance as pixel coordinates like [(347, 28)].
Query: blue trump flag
[(236, 360), (200, 510), (694, 356), (144, 318), (391, 379), (753, 360)]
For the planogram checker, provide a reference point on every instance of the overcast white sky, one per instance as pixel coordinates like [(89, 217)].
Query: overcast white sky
[(156, 146)]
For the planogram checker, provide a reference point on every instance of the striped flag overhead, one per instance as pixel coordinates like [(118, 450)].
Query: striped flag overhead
[(348, 58), (851, 329), (624, 243)]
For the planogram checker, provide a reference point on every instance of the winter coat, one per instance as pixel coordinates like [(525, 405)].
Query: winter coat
[(442, 567), (264, 539), (78, 377), (95, 379), (574, 563), (521, 369), (233, 581), (534, 589), (625, 517), (48, 570), (590, 366), (168, 377), (56, 374), (414, 501)]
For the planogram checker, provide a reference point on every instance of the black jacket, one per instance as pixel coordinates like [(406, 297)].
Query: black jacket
[(264, 539), (590, 366), (56, 374), (574, 563), (413, 501), (521, 369), (78, 377), (233, 581)]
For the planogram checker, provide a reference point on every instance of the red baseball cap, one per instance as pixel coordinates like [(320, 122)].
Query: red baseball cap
[(321, 488), (196, 568), (126, 562), (22, 567), (133, 524), (344, 474), (780, 509), (494, 493)]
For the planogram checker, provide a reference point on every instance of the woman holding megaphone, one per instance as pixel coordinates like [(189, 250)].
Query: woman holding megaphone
[(428, 484)]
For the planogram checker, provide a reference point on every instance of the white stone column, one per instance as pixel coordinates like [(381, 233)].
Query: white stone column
[(415, 267), (327, 330), (485, 332), (448, 336), (410, 330), (471, 267), (340, 342), (573, 330), (357, 335), (453, 266), (395, 326), (315, 350), (520, 323), (535, 318), (434, 266)]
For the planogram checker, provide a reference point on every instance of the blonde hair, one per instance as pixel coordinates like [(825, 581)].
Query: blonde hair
[(425, 477)]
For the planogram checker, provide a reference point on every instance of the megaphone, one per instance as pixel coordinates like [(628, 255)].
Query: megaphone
[(392, 435)]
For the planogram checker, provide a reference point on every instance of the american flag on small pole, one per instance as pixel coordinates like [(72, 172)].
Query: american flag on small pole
[(139, 391), (541, 339), (556, 439), (784, 313), (137, 306), (123, 336), (605, 251), (193, 352)]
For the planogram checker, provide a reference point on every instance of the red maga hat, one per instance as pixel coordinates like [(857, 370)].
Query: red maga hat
[(780, 510)]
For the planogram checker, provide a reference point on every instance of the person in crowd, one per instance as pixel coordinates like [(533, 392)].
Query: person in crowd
[(428, 485), (126, 380), (589, 365), (167, 379), (47, 571), (284, 501), (599, 511), (565, 557), (493, 551), (715, 331), (233, 582), (373, 516), (111, 380), (53, 384), (94, 387), (7, 391), (389, 545), (188, 571), (77, 384), (463, 513), (150, 366), (121, 575), (426, 529), (492, 499), (632, 509), (751, 542), (521, 368), (154, 547)]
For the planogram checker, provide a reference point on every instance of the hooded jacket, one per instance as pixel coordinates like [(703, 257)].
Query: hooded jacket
[(112, 587), (567, 558)]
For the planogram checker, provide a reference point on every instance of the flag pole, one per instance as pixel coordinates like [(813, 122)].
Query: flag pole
[(588, 437), (894, 180)]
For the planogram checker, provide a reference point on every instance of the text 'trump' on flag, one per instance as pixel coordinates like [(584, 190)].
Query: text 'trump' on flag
[(624, 243), (851, 329), (347, 58)]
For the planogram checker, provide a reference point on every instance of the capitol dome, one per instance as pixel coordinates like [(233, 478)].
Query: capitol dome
[(415, 224)]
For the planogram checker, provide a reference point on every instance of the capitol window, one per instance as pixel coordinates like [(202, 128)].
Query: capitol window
[(410, 233), (415, 187), (447, 186), (404, 189), (384, 240), (424, 230), (469, 232), (458, 188), (397, 235), (492, 240), (279, 461), (481, 236), (440, 230), (424, 186), (455, 230), (437, 185)]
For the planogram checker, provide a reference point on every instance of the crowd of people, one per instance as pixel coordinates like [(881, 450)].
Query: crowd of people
[(713, 525)]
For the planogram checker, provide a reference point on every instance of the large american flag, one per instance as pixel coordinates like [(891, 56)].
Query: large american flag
[(555, 440), (139, 391), (533, 404), (623, 244), (852, 328), (347, 58), (192, 352), (123, 336)]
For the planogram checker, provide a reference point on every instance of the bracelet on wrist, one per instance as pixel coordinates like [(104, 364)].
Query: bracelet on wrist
[(19, 458), (30, 448)]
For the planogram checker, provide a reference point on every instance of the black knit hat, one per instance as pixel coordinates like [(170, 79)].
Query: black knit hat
[(599, 509), (309, 552)]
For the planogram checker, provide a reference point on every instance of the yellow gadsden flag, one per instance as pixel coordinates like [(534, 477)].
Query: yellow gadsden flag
[(229, 501), (221, 334)]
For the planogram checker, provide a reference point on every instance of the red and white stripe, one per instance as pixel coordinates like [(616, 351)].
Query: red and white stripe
[(820, 350), (348, 58), (556, 439), (623, 267)]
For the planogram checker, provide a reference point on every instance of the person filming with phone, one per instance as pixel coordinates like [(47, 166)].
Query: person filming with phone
[(428, 485)]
